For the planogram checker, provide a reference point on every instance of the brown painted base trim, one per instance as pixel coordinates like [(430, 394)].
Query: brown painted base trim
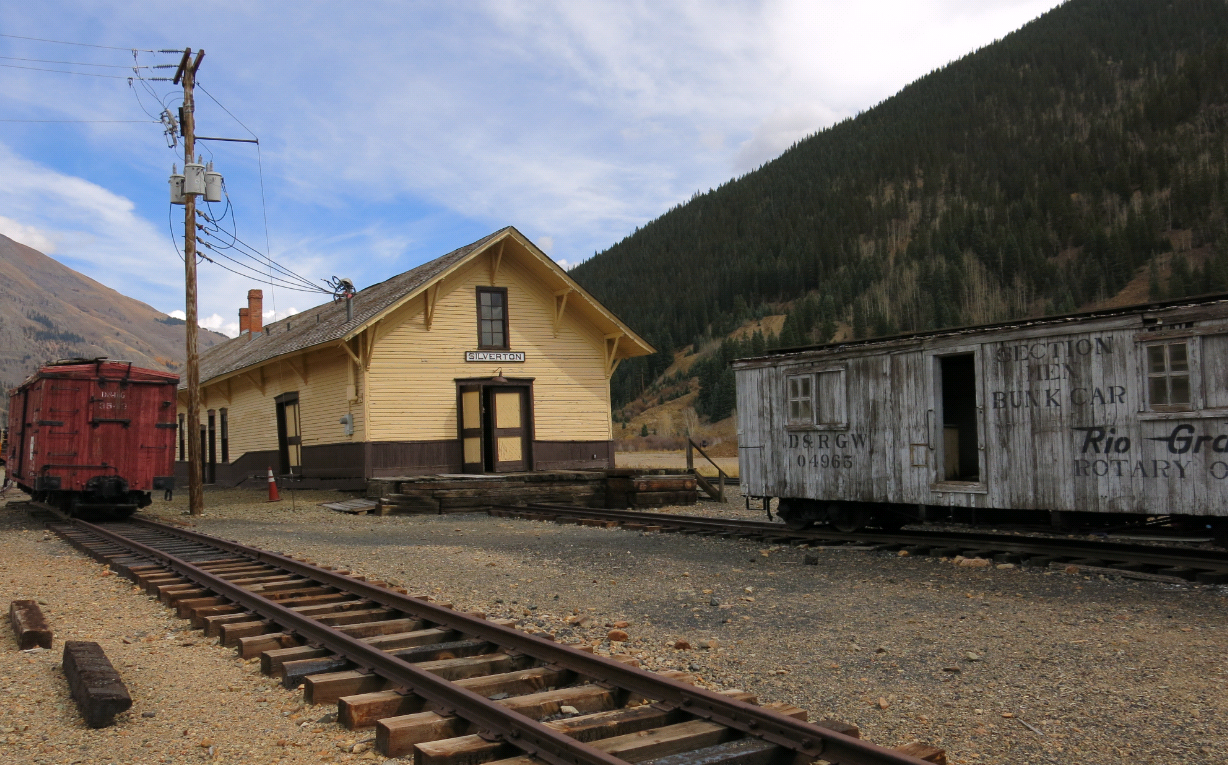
[(322, 463), (327, 464), (232, 473), (385, 459), (573, 455)]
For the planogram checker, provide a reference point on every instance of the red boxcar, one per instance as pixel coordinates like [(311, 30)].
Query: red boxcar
[(93, 434)]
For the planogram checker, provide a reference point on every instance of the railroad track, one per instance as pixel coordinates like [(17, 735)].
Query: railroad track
[(455, 688), (1156, 561)]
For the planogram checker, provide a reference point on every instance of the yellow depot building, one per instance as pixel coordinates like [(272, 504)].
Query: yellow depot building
[(489, 359)]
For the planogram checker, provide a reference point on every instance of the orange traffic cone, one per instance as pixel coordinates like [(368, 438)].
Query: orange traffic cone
[(273, 497)]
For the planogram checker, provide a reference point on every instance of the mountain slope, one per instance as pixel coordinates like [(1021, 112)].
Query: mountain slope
[(1040, 174), (49, 311)]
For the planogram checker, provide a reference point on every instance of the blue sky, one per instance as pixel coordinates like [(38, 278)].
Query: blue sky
[(394, 132)]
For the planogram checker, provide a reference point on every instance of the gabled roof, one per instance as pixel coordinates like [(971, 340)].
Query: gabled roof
[(326, 323)]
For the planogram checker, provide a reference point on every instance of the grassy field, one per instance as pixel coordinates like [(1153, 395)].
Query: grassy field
[(674, 461)]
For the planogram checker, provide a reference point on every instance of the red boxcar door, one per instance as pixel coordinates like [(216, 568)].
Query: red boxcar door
[(60, 423)]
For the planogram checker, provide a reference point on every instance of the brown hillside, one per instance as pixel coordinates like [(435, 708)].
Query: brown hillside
[(49, 311)]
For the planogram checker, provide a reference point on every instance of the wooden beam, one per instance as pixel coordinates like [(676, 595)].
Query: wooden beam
[(430, 296), (496, 258), (256, 379), (29, 624), (96, 686), (369, 345), (611, 348), (300, 369), (560, 304), (350, 351)]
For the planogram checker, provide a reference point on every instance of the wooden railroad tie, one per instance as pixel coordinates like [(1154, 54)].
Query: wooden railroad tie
[(29, 625), (96, 686)]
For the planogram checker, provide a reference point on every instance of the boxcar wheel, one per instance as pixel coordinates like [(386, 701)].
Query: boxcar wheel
[(794, 514), (847, 517)]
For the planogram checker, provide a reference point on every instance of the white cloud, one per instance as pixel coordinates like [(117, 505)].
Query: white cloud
[(388, 128), (566, 264), (180, 315), (545, 243), (779, 131), (27, 235), (217, 323), (88, 227)]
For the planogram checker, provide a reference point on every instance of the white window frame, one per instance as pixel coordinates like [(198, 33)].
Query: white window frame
[(800, 391), (1169, 374)]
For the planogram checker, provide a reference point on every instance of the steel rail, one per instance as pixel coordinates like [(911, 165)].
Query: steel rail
[(1209, 560), (806, 739)]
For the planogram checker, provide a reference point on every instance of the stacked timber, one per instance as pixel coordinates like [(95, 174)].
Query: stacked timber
[(440, 494), (640, 488)]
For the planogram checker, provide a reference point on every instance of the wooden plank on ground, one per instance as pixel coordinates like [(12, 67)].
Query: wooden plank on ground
[(396, 736), (328, 687), (743, 751), (253, 646), (585, 698), (517, 683), (411, 638), (364, 709), (271, 662), (924, 752), (445, 751), (29, 624), (617, 722), (660, 742), (96, 686)]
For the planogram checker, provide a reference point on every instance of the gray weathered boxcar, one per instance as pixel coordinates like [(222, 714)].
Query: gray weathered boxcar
[(1115, 414)]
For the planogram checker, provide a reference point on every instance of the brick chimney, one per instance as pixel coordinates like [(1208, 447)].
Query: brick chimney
[(255, 311), (245, 323)]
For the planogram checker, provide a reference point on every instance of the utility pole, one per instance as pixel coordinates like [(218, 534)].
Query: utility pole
[(196, 489)]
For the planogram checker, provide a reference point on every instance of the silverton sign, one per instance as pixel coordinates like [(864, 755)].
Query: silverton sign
[(494, 355)]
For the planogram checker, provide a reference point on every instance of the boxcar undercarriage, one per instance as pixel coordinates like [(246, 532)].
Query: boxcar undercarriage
[(850, 517)]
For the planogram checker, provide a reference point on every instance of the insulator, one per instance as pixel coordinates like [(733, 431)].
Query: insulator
[(194, 178), (213, 184), (176, 186)]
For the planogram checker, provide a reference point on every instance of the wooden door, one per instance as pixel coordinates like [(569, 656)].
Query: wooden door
[(289, 434), (471, 429), (509, 431)]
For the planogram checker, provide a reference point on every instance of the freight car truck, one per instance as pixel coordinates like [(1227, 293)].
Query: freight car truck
[(93, 434), (1104, 417)]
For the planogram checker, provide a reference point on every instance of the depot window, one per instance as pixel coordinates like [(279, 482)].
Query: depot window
[(1168, 376), (492, 317), (816, 399)]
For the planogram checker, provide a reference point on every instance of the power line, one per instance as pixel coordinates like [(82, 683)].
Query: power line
[(262, 278), (260, 170), (89, 45), (260, 258), (85, 74), (236, 119), (80, 120), (243, 247), (86, 63)]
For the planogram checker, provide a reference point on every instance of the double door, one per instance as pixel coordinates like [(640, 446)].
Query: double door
[(495, 427)]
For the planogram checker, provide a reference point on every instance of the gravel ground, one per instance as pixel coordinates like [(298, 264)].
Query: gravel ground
[(996, 665)]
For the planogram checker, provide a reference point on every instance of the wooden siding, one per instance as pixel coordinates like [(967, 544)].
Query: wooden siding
[(252, 413), (407, 388), (1063, 421), (413, 369)]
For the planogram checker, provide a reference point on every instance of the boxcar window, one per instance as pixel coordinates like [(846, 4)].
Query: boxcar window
[(801, 399), (830, 389), (1168, 376)]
